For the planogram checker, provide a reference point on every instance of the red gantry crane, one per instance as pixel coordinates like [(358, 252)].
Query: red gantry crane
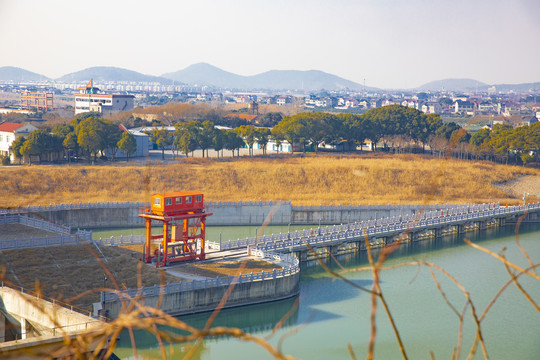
[(184, 226)]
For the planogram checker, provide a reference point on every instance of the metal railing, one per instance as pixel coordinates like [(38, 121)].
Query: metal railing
[(372, 207), (382, 225), (292, 267), (359, 230), (245, 203)]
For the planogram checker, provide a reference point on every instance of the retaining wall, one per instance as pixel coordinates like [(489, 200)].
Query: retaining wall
[(38, 311), (103, 215), (95, 218), (249, 213), (342, 214), (207, 299)]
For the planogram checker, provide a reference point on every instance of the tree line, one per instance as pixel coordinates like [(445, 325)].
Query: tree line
[(394, 128), (190, 136), (505, 143), (87, 135)]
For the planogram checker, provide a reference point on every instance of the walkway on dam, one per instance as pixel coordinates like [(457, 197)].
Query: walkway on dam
[(382, 228)]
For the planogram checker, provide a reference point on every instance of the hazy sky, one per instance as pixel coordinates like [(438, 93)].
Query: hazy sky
[(390, 43)]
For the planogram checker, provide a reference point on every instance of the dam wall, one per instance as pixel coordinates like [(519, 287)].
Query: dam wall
[(126, 214)]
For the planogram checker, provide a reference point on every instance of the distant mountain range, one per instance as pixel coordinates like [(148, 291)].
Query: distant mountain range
[(109, 73), (201, 74), (11, 73), (473, 85), (453, 85), (206, 74), (518, 87)]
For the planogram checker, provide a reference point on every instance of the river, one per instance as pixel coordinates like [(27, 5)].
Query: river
[(332, 314)]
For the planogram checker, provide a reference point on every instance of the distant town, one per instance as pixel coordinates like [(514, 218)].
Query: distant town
[(258, 118), (511, 107)]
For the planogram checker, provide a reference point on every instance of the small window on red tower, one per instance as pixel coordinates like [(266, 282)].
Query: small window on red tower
[(188, 199), (168, 201), (198, 198), (179, 200)]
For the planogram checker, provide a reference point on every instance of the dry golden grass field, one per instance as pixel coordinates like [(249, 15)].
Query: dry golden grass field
[(315, 179)]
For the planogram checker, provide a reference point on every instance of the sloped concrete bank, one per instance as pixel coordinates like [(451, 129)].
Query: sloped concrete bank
[(103, 215)]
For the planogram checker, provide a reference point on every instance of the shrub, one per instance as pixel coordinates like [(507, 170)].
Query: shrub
[(5, 160)]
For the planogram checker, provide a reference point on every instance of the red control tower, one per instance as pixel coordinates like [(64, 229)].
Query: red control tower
[(184, 226)]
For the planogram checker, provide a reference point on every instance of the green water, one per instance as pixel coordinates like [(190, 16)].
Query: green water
[(332, 313), (212, 232)]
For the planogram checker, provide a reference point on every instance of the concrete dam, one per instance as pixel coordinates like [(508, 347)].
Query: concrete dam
[(126, 214)]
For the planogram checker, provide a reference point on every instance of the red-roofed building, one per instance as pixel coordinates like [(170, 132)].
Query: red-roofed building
[(9, 132)]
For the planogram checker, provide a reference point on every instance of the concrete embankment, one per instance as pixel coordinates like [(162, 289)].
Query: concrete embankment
[(208, 298), (32, 328), (103, 215)]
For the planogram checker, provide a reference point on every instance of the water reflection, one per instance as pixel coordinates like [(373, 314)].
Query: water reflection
[(417, 249), (336, 312), (253, 319)]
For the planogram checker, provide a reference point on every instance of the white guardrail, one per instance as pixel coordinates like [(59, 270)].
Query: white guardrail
[(127, 204), (35, 223), (292, 267), (64, 236), (215, 204), (46, 241), (373, 207), (71, 206), (347, 232), (380, 226)]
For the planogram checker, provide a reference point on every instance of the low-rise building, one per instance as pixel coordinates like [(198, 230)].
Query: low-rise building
[(8, 133), (282, 100), (88, 99), (464, 107), (37, 101), (431, 107)]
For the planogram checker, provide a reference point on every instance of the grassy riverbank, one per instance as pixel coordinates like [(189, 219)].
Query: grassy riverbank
[(322, 179)]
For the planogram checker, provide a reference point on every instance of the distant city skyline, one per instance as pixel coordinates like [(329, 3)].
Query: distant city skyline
[(390, 44)]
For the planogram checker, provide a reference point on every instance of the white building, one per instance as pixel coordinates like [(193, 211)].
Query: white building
[(8, 133), (88, 99), (431, 107)]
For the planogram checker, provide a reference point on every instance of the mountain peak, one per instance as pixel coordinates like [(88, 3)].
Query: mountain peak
[(111, 73), (453, 85), (206, 74), (12, 73)]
